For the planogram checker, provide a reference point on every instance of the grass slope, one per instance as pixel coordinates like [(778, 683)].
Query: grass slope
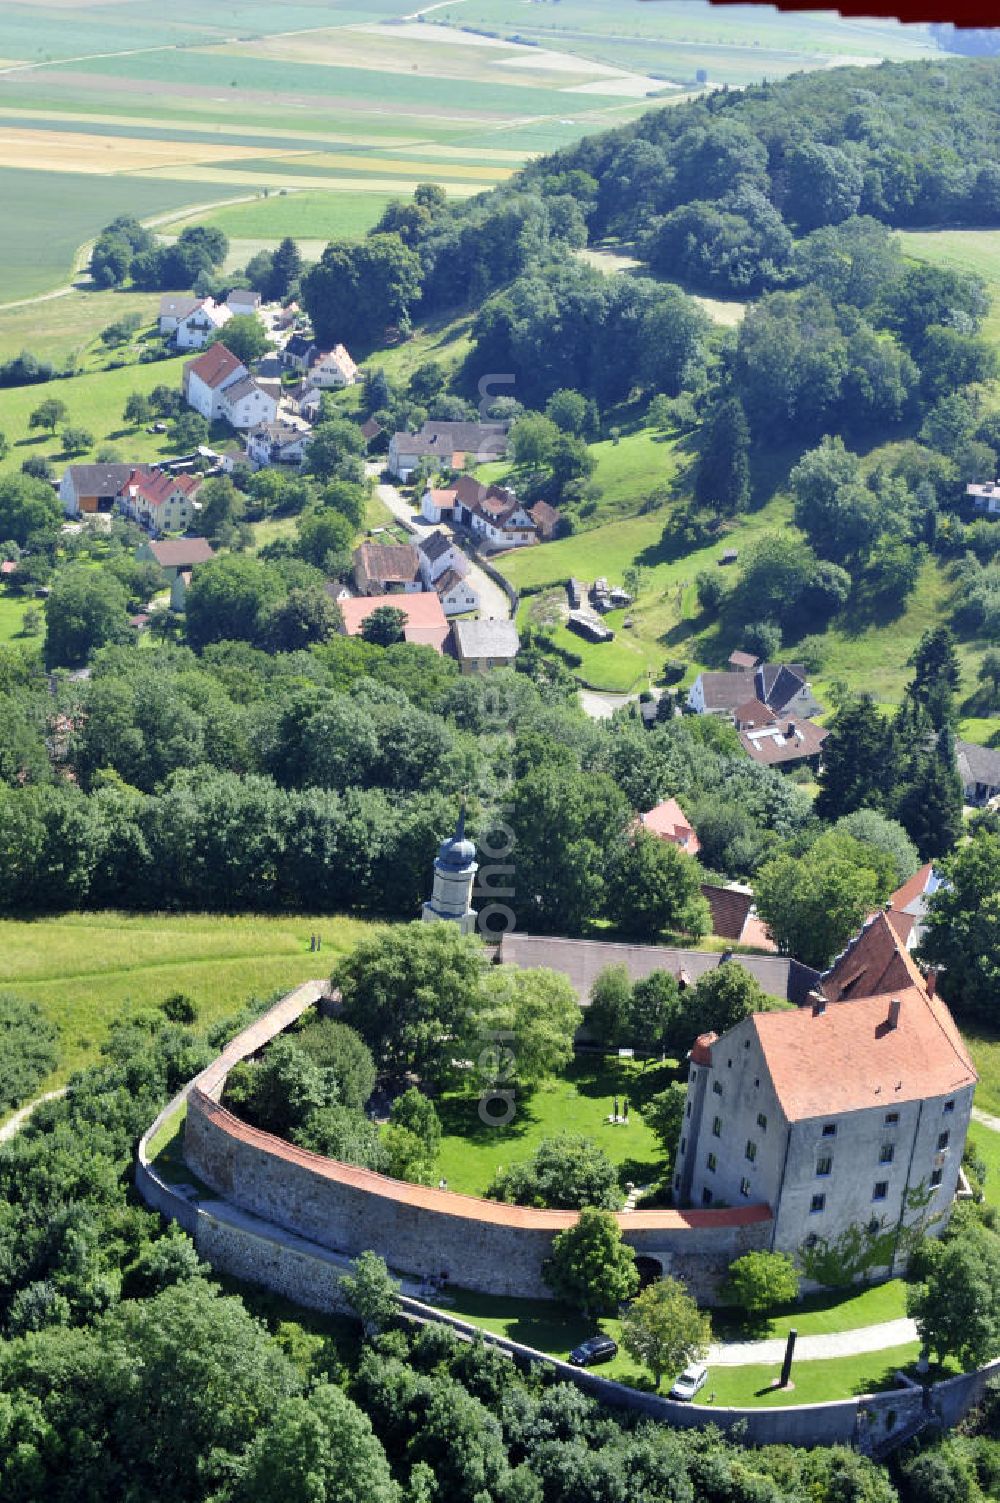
[(306, 216), (87, 970)]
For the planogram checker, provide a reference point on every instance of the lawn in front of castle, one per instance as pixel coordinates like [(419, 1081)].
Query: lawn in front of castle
[(579, 1100)]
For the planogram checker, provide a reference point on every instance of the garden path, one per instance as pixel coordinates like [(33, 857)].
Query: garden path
[(832, 1344)]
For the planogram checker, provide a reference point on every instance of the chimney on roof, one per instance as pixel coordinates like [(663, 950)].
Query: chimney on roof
[(893, 1018), (791, 728), (818, 1002), (930, 984)]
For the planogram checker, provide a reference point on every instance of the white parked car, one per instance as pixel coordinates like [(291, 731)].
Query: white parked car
[(691, 1381)]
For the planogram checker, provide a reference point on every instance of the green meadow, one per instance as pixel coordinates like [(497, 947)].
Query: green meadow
[(87, 970)]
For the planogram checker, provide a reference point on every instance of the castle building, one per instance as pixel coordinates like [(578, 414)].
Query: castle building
[(455, 868), (847, 1116)]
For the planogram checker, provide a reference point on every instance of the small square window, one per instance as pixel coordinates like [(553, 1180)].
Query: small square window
[(881, 1189), (762, 1121), (756, 1084), (751, 1150), (886, 1153), (829, 1129), (745, 1186), (943, 1138), (817, 1204), (706, 1196), (717, 1087), (824, 1166), (949, 1106), (891, 1119), (937, 1177), (712, 1162), (716, 1127)]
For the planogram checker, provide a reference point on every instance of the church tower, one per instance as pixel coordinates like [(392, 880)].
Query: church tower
[(455, 870)]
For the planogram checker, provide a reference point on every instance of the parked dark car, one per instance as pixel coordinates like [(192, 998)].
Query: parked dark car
[(594, 1349)]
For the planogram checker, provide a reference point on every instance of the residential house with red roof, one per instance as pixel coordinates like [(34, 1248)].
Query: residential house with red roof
[(669, 822), (387, 569), (426, 625), (493, 514), (176, 555), (206, 379), (160, 501), (847, 1116)]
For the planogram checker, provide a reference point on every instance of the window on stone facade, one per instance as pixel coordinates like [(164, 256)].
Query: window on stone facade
[(687, 1110), (886, 1153), (762, 1121), (817, 1204), (829, 1129), (949, 1106), (824, 1167), (746, 1043), (891, 1119), (943, 1141), (751, 1150), (677, 1181), (811, 1240), (745, 1186), (706, 1196), (756, 1084), (937, 1177), (712, 1162), (717, 1087), (881, 1189), (716, 1127), (684, 1144)]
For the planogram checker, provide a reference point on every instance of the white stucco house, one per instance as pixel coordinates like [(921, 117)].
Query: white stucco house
[(247, 404), (333, 369), (457, 596), (194, 328), (277, 443), (206, 379)]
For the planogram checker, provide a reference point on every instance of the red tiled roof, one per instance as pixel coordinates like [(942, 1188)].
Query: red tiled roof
[(875, 963), (701, 1050), (753, 712), (849, 1057), (913, 889), (783, 740), (444, 499), (8, 567), (157, 486), (214, 366), (669, 822), (449, 1202), (742, 660), (426, 622), (370, 429)]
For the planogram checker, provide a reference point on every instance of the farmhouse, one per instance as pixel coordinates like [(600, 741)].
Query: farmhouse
[(246, 403), (89, 488), (979, 769), (457, 596), (298, 353), (481, 645), (381, 569), (446, 444), (173, 308), (333, 369), (161, 502), (425, 625), (782, 688), (276, 443), (847, 1116), (437, 554), (206, 379), (176, 555), (784, 743), (493, 514), (438, 504)]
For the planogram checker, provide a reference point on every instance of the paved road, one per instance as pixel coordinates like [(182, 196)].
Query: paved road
[(835, 1344), (985, 1120), (494, 603)]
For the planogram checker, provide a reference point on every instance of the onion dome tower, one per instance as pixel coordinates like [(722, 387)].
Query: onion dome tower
[(455, 870)]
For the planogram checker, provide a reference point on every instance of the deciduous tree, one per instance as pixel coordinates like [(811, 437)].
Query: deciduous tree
[(664, 1329), (591, 1268)]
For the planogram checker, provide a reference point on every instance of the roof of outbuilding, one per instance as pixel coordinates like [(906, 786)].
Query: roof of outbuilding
[(978, 764), (426, 623), (436, 546), (100, 479), (394, 562), (486, 639), (172, 553)]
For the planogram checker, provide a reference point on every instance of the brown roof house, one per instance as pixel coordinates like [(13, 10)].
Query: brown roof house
[(176, 555), (89, 488), (784, 743), (847, 1116), (782, 687), (734, 915), (493, 514), (447, 444), (387, 569)]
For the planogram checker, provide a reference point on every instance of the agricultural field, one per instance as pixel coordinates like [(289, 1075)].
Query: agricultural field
[(338, 104), (965, 250), (87, 970)]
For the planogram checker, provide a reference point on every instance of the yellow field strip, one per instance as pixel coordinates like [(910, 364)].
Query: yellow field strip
[(74, 151), (426, 169)]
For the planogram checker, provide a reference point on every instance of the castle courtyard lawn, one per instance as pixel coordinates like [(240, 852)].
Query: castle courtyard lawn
[(87, 970), (579, 1102), (816, 1382)]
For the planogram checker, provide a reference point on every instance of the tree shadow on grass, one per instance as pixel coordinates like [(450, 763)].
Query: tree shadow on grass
[(461, 1117)]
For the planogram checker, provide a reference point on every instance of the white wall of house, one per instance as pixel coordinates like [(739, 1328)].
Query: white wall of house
[(696, 696), (210, 400), (459, 599), (432, 569), (194, 332), (255, 407)]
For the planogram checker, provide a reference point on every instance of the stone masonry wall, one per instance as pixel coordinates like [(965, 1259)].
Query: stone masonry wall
[(495, 1249)]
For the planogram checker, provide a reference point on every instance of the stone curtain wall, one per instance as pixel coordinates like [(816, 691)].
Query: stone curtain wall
[(479, 1244)]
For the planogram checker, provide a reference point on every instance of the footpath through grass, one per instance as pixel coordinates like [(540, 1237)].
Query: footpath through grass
[(580, 1102), (88, 970)]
